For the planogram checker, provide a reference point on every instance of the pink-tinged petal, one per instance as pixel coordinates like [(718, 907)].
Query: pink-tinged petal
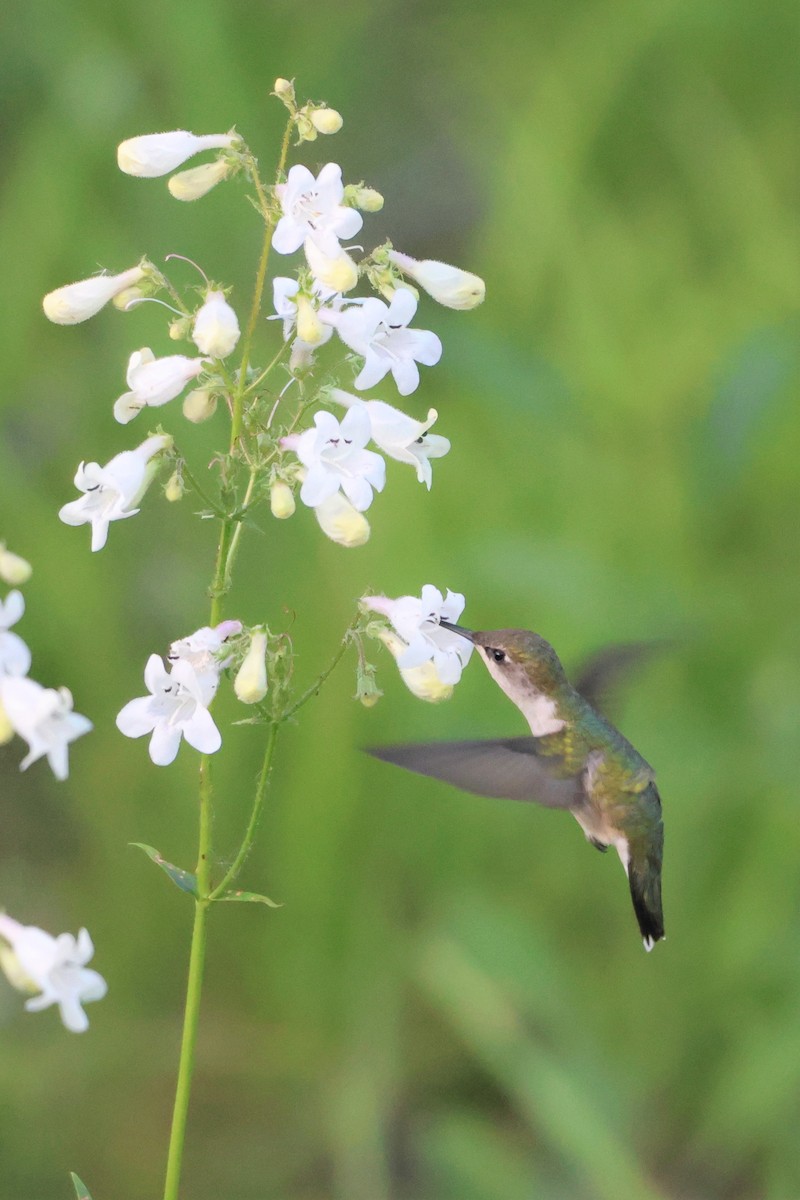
[(288, 236), (406, 376), (319, 485), (136, 718), (402, 308), (155, 674), (164, 744), (373, 371), (201, 733)]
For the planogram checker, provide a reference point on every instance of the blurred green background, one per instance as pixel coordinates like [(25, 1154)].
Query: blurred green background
[(453, 1003)]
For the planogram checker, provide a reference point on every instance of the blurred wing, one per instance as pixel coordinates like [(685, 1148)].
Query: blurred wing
[(603, 672), (506, 769)]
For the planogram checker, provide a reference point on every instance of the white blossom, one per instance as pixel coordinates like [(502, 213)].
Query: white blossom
[(342, 523), (335, 270), (203, 649), (379, 333), (14, 570), (176, 707), (198, 181), (417, 622), (216, 328), (400, 436), (335, 458), (15, 657), (450, 286), (423, 681), (313, 208), (154, 154), (250, 684), (111, 493), (154, 381), (77, 302), (44, 718), (55, 967)]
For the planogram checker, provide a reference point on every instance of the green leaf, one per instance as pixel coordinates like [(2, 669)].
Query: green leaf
[(250, 898), (81, 1190), (182, 879)]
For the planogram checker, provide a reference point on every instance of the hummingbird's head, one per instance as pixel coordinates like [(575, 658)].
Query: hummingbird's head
[(521, 662)]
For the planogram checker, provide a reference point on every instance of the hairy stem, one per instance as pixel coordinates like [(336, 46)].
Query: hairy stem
[(258, 803)]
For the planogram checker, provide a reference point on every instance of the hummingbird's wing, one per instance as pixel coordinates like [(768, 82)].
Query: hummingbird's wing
[(507, 768), (601, 674)]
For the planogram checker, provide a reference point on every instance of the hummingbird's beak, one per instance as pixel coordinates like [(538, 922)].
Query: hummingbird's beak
[(467, 634)]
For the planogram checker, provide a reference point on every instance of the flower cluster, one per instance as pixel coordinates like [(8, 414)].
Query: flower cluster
[(430, 658), (42, 716)]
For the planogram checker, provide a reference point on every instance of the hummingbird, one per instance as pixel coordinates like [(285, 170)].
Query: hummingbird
[(574, 760)]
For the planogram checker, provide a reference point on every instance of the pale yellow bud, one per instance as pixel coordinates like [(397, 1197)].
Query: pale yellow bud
[(326, 120), (199, 405), (423, 681), (174, 489), (450, 286), (339, 273), (197, 181), (281, 500), (341, 522), (180, 328), (6, 728), (368, 200), (309, 327), (13, 970), (13, 569), (250, 684)]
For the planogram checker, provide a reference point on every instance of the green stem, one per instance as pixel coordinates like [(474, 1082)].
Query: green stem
[(255, 816), (318, 682)]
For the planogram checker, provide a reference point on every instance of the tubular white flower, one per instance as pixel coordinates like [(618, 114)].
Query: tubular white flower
[(54, 967), (176, 707), (154, 154), (417, 622), (154, 381), (250, 684), (198, 181), (313, 208), (77, 302), (423, 681), (400, 436), (342, 523), (216, 328), (15, 657), (112, 492), (13, 569), (334, 457), (335, 270), (204, 650), (379, 332), (450, 286), (44, 718)]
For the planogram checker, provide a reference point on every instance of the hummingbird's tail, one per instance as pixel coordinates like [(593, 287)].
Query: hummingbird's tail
[(644, 877)]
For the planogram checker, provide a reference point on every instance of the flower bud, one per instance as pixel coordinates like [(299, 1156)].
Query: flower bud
[(284, 90), (199, 405), (450, 286), (180, 328), (174, 489), (367, 691), (365, 198), (341, 522), (6, 728), (250, 684), (309, 327), (78, 301), (216, 329), (422, 681), (281, 500), (197, 181), (326, 120), (155, 154), (13, 569), (339, 273)]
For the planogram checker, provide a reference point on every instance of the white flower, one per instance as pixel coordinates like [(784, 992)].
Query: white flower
[(54, 967), (216, 329), (342, 523), (112, 492), (400, 436), (417, 622), (15, 657), (313, 208), (198, 181), (379, 332), (78, 301), (154, 154), (451, 286), (250, 684), (44, 718), (154, 381), (334, 269), (334, 457), (13, 569), (202, 649), (423, 681), (176, 707)]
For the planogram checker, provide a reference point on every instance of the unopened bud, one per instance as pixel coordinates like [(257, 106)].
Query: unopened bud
[(281, 500), (365, 198), (309, 327), (450, 286), (250, 684), (367, 691), (174, 489), (13, 569), (216, 327), (180, 328), (78, 301), (341, 522), (326, 120), (284, 90), (198, 181), (199, 405), (339, 273)]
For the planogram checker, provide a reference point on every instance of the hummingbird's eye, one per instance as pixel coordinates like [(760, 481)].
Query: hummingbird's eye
[(498, 655)]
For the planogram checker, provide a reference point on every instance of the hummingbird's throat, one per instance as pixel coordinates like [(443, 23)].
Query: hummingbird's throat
[(538, 709)]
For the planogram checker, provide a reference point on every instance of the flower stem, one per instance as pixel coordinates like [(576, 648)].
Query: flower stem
[(258, 803), (331, 667)]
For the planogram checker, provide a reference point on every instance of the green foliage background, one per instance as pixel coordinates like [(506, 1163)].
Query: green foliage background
[(453, 1003)]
